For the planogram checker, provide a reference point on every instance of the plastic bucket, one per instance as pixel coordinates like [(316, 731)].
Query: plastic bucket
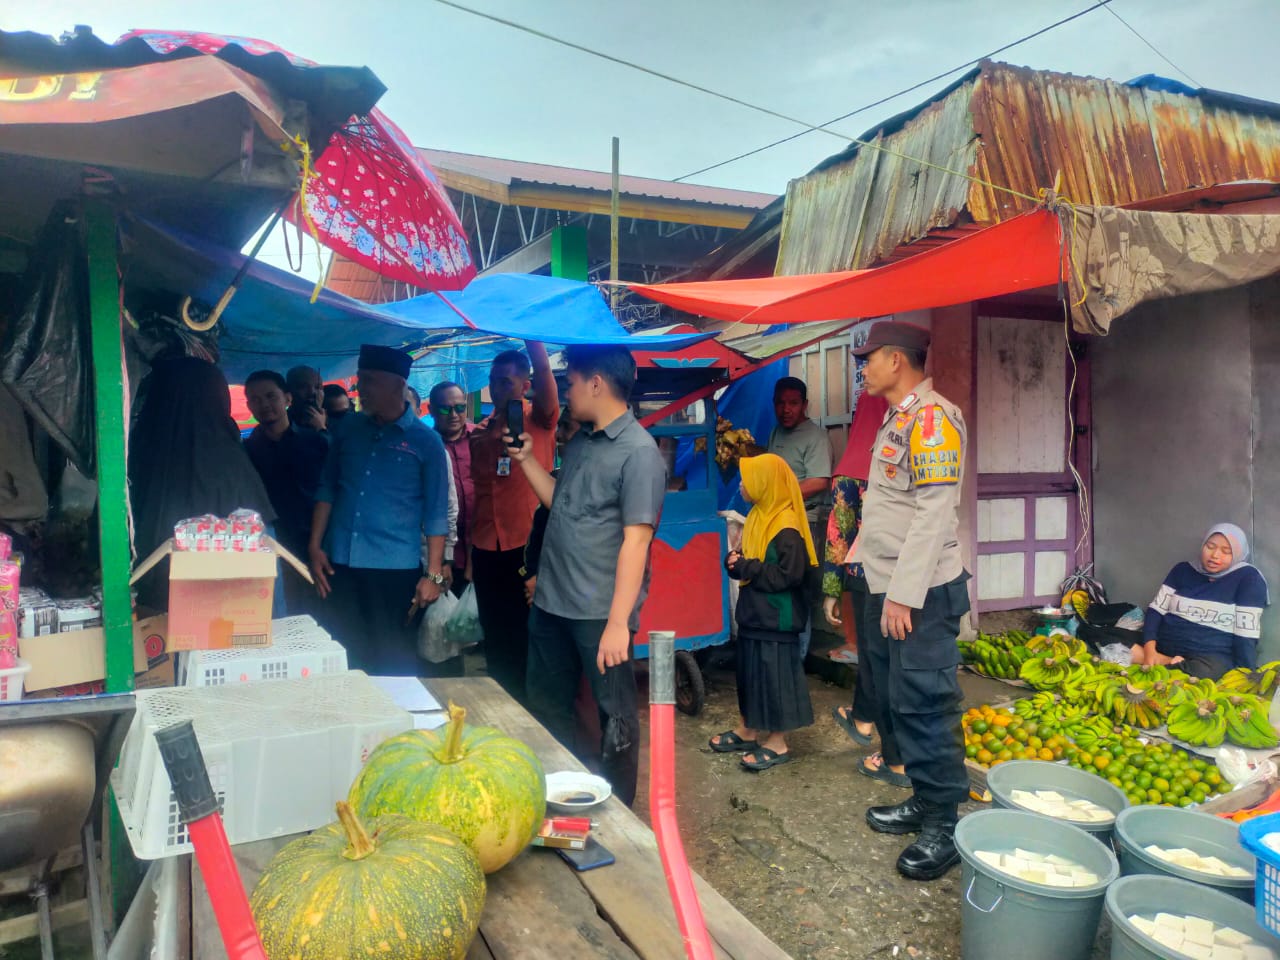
[(1004, 916), (1167, 827), (1074, 784), (1147, 895)]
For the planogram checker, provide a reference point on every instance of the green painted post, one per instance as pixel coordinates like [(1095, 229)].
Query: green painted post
[(108, 382), (569, 252)]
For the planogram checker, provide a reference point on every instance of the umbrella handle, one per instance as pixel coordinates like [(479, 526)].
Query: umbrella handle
[(200, 326)]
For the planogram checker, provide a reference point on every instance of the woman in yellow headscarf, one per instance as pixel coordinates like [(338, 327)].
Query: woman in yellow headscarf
[(775, 565)]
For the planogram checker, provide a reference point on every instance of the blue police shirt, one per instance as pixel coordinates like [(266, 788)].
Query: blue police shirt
[(389, 486)]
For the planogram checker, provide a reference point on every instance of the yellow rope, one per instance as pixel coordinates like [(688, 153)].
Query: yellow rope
[(309, 174)]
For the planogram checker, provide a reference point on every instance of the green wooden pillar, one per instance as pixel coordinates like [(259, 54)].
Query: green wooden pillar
[(108, 383), (569, 252)]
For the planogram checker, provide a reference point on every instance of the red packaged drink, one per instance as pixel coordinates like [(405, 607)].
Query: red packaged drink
[(8, 640), (6, 546), (10, 574), (220, 533), (247, 529)]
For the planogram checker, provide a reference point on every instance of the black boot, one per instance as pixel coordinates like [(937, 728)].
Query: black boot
[(934, 852), (905, 817)]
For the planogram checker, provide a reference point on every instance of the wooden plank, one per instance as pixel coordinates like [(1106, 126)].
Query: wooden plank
[(632, 895), (23, 879), (28, 925)]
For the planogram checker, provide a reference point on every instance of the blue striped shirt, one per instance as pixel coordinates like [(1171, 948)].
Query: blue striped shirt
[(389, 486)]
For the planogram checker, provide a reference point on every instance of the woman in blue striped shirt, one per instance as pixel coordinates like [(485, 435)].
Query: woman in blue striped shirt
[(1206, 617)]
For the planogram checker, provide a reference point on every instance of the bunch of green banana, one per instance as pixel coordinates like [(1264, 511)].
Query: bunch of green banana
[(994, 656), (1130, 703), (1185, 690), (1247, 722), (1260, 681), (1202, 723)]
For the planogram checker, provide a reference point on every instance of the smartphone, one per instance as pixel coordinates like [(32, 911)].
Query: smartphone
[(515, 422), (591, 856)]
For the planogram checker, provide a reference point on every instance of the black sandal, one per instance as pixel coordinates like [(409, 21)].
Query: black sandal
[(883, 773), (846, 722), (768, 758), (730, 742)]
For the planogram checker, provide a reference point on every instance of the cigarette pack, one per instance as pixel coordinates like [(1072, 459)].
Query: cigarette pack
[(566, 833)]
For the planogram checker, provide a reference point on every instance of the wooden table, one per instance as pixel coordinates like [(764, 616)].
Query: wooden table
[(538, 906)]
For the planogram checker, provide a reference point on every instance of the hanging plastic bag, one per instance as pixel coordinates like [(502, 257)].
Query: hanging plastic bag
[(433, 633), (464, 626)]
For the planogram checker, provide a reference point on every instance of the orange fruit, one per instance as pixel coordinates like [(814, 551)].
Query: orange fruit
[(1102, 761), (984, 757), (1046, 754)]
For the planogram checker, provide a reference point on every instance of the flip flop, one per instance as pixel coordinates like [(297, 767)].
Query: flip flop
[(768, 758), (883, 773), (850, 727), (843, 655), (730, 742)]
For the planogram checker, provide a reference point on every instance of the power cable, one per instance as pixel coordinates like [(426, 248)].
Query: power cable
[(893, 96), (1154, 49)]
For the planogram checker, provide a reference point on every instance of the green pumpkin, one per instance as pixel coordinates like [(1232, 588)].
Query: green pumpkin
[(402, 890), (476, 782)]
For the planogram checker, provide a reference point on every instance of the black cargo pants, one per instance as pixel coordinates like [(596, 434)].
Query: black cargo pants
[(920, 694)]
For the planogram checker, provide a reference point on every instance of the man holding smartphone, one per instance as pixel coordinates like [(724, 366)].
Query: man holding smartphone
[(306, 390), (505, 504)]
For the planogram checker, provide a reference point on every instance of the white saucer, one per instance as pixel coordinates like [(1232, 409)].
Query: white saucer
[(568, 783)]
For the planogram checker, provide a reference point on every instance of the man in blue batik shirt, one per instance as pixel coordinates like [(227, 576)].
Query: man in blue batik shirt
[(385, 487)]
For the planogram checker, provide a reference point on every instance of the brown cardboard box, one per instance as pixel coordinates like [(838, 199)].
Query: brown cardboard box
[(220, 599), (77, 658)]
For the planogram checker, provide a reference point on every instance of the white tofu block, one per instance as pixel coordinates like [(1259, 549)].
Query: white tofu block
[(1022, 796), (1167, 937), (1058, 880), (1231, 937), (1256, 951), (1167, 921), (1036, 875), (989, 858), (1198, 930), (1028, 855), (1142, 923), (1197, 951), (1084, 878), (1214, 865), (1014, 865), (1236, 873), (1050, 795), (1222, 952), (1155, 851), (1057, 860)]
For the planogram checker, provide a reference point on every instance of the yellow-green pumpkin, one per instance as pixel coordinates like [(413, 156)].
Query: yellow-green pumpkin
[(394, 888), (476, 782)]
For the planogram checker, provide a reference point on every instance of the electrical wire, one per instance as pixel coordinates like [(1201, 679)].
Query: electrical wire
[(893, 96), (1154, 49)]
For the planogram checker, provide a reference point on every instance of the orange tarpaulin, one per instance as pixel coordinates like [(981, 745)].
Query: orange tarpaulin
[(1020, 254)]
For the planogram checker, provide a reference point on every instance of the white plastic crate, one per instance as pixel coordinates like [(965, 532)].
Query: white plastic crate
[(300, 648), (279, 755), (12, 679)]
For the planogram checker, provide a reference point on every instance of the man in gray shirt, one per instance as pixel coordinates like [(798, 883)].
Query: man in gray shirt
[(801, 442), (593, 572)]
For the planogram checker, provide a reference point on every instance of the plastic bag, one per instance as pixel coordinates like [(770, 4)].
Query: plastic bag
[(464, 626), (433, 633), (1244, 766)]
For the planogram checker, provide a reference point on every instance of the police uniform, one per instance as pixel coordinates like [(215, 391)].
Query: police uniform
[(910, 554)]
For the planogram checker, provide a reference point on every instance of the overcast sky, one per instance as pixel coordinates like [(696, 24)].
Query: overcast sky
[(459, 82)]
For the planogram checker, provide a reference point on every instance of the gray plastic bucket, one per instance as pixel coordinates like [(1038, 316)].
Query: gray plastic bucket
[(1167, 827), (1068, 781), (1147, 895), (1004, 916)]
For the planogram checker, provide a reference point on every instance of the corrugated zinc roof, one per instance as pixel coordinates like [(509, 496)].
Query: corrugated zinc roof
[(1113, 143), (511, 173)]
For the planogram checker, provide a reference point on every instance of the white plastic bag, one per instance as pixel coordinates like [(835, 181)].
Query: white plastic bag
[(1244, 766), (463, 628), (433, 633)]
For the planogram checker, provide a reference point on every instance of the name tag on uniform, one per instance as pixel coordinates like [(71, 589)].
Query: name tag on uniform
[(504, 466)]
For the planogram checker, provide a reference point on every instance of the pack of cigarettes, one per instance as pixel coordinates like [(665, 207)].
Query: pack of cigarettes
[(566, 833)]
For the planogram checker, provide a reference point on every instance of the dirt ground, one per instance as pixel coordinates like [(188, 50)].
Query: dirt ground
[(789, 847)]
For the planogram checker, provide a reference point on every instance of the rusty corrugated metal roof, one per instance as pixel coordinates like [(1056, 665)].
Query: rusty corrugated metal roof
[(1113, 143)]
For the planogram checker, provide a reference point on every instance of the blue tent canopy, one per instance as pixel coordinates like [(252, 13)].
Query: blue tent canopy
[(271, 323)]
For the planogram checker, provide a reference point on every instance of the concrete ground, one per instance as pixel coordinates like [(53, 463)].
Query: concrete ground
[(789, 847)]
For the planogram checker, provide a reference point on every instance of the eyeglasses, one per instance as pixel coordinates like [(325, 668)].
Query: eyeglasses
[(458, 408)]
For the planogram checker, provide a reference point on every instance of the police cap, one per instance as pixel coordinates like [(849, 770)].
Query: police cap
[(891, 333)]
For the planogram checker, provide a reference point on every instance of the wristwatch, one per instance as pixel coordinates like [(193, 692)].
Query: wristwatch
[(436, 578)]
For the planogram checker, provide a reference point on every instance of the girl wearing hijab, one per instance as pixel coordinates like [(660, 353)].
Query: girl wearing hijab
[(185, 460), (1206, 616), (774, 565)]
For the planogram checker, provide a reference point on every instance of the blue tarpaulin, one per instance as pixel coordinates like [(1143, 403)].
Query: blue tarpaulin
[(270, 323)]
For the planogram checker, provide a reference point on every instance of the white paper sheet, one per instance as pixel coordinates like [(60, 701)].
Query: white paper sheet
[(429, 721), (408, 693)]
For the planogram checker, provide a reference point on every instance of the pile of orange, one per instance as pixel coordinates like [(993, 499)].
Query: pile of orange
[(992, 737)]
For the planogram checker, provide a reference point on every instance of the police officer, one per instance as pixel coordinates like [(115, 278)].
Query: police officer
[(909, 549)]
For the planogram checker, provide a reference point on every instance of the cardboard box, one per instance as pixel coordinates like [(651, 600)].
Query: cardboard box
[(220, 598), (79, 657)]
